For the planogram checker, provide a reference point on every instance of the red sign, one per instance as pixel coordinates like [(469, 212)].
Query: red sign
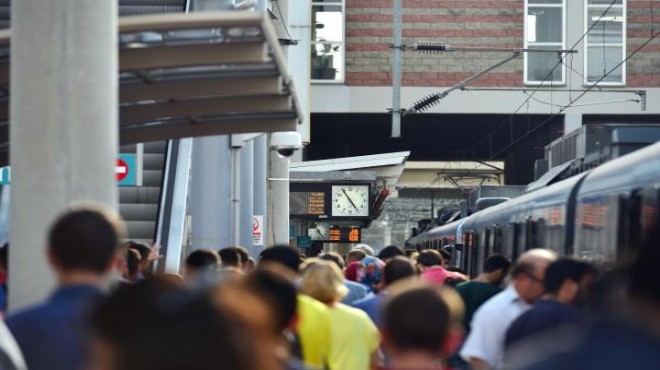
[(121, 170)]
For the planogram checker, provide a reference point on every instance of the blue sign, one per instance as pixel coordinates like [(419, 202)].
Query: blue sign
[(126, 170), (5, 175), (304, 242)]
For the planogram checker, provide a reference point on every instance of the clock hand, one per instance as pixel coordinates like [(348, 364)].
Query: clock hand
[(349, 199)]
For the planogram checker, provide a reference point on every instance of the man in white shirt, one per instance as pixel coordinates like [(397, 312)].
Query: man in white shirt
[(484, 347)]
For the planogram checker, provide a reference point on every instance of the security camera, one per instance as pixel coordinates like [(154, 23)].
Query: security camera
[(285, 143)]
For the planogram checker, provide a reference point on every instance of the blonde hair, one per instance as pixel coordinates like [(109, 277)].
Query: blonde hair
[(323, 281)]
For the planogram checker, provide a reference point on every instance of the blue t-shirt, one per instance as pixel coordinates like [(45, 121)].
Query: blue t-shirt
[(53, 335), (372, 306), (356, 291)]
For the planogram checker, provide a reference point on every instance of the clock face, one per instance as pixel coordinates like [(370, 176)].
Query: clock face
[(350, 200)]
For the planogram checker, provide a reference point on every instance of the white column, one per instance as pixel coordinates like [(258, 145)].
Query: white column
[(260, 184), (63, 125), (278, 200), (247, 195), (211, 193)]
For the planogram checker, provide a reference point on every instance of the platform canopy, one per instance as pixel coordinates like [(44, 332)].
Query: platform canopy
[(188, 75)]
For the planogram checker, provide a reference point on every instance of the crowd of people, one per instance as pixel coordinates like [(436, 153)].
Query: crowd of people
[(394, 309)]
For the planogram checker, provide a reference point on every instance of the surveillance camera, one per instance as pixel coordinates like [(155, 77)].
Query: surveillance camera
[(285, 143)]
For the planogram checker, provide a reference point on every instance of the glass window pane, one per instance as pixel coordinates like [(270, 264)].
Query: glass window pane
[(327, 1), (604, 2), (328, 23), (327, 61), (602, 59), (540, 64), (544, 24), (544, 1), (609, 29)]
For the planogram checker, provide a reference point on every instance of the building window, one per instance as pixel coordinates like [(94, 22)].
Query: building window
[(605, 47), (544, 29), (327, 41)]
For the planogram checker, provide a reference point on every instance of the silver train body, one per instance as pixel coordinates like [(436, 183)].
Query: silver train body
[(601, 215)]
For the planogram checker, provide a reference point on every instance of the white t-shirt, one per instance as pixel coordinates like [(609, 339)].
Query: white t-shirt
[(489, 325)]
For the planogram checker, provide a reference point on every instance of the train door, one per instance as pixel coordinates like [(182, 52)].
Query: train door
[(637, 215), (496, 246), (510, 240)]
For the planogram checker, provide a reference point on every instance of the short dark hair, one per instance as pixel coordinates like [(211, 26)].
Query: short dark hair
[(242, 253), (417, 319), (565, 269), (446, 255), (278, 292), (133, 260), (86, 239), (429, 257), (229, 257), (167, 315), (284, 255), (496, 262), (333, 257), (203, 259), (142, 248), (391, 251), (398, 268)]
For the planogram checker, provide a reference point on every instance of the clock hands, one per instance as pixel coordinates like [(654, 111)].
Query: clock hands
[(349, 199)]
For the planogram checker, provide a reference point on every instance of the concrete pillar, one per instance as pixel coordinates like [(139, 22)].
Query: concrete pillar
[(211, 193), (260, 184), (572, 122), (63, 125), (278, 200), (247, 195)]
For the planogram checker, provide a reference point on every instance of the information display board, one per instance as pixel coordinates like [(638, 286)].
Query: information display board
[(307, 203), (344, 235)]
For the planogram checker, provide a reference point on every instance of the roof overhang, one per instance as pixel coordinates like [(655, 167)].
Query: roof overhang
[(195, 74), (387, 167)]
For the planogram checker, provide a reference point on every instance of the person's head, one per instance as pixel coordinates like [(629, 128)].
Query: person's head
[(202, 260), (84, 240), (528, 273), (323, 281), (429, 258), (421, 320), (229, 257), (367, 249), (278, 291), (564, 280), (356, 255), (144, 250), (496, 267), (250, 265), (446, 257), (243, 254), (398, 268), (390, 252), (411, 253), (333, 257), (284, 255), (133, 260), (370, 272), (176, 330)]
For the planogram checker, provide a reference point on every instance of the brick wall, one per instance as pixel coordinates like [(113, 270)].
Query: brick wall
[(466, 23), (644, 68)]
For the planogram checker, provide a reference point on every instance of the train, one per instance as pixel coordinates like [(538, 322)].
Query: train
[(601, 215)]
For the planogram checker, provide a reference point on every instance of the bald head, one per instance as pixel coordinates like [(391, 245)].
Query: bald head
[(528, 273)]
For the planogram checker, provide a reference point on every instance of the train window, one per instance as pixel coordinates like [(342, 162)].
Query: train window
[(497, 240), (629, 225), (649, 210)]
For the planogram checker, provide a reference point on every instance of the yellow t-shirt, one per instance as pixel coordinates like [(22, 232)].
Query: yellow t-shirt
[(354, 338), (313, 331)]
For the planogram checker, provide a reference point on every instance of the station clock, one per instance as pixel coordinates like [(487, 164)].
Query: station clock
[(350, 200)]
